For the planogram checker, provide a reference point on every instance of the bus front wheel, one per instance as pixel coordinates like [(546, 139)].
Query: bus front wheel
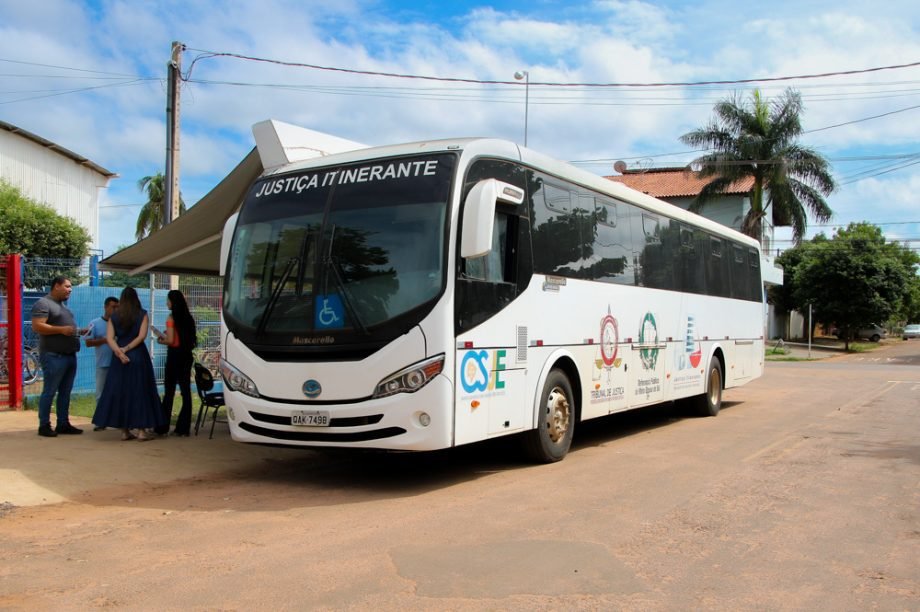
[(709, 403), (551, 440)]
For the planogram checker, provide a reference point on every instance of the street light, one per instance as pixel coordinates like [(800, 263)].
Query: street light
[(523, 75)]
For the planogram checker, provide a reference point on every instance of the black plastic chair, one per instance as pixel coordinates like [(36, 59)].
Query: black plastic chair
[(204, 381)]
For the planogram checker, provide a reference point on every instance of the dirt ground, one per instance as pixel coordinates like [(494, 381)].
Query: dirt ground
[(804, 494)]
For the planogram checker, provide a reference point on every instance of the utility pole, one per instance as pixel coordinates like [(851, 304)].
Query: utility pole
[(173, 71), (171, 197)]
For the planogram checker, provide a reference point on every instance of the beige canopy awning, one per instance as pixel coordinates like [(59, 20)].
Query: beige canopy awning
[(191, 243)]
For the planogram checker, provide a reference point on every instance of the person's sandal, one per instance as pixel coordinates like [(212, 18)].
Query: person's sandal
[(127, 436), (143, 437)]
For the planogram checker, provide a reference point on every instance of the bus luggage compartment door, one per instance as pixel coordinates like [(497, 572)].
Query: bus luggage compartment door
[(490, 395)]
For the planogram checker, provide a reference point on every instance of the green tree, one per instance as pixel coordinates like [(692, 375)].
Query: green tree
[(853, 279), (123, 279), (783, 297), (33, 229), (758, 141), (153, 214), (910, 307)]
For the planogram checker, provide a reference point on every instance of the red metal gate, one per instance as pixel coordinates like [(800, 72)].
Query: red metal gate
[(10, 332)]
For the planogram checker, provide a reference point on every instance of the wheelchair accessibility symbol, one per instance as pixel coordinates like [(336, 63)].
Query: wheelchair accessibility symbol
[(329, 312)]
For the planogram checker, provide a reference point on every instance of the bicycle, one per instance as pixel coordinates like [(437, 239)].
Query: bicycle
[(31, 366)]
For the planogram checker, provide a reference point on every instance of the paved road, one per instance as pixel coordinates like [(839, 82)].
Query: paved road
[(803, 494)]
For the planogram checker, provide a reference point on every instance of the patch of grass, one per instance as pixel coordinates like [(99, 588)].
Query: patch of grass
[(83, 404), (863, 347), (778, 357)]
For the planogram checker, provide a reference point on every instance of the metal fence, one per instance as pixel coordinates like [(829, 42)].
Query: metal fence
[(91, 287)]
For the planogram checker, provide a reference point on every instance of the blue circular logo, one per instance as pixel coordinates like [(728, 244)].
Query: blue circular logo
[(312, 388)]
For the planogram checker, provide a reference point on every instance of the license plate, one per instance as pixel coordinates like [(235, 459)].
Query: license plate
[(310, 418)]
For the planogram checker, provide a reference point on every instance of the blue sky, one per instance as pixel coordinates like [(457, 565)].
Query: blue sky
[(91, 77)]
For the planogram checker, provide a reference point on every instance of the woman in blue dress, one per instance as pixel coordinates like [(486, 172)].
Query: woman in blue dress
[(130, 399)]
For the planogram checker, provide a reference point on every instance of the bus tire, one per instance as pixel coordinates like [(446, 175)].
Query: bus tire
[(709, 403), (551, 440)]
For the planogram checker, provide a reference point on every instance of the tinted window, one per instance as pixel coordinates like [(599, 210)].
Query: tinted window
[(563, 231), (613, 249)]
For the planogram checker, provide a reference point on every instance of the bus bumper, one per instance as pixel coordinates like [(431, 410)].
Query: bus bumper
[(406, 421)]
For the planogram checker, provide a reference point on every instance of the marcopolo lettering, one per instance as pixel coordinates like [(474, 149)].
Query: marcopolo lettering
[(347, 176)]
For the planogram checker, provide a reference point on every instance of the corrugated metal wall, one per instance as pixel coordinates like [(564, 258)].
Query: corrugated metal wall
[(54, 179)]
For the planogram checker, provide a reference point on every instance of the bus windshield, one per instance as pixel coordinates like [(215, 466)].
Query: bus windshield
[(330, 256)]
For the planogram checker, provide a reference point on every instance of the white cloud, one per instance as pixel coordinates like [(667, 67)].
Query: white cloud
[(122, 128)]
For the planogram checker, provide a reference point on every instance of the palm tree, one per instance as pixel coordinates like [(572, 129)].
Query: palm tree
[(758, 141), (153, 214)]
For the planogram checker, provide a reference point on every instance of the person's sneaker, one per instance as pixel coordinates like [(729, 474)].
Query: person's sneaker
[(45, 430), (67, 428)]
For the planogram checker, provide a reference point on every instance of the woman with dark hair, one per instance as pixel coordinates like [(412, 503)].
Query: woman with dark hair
[(129, 399), (179, 340)]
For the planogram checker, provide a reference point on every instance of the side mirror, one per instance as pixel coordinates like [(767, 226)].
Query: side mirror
[(226, 240), (479, 214)]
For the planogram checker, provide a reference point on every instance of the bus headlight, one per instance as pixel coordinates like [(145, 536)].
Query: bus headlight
[(411, 379), (236, 380)]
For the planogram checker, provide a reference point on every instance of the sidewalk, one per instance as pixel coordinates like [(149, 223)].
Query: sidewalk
[(801, 350), (822, 347), (37, 471)]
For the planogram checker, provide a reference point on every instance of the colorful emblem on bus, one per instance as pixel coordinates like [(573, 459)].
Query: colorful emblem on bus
[(610, 340), (690, 355), (648, 334)]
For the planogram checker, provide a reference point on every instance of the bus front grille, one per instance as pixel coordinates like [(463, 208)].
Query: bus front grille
[(321, 436)]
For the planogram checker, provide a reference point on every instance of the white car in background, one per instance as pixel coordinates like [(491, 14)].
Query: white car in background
[(911, 331), (872, 332)]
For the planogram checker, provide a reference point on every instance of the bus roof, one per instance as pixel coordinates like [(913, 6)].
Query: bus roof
[(492, 147)]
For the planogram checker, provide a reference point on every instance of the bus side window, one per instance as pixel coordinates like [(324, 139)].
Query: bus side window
[(756, 286), (715, 278), (739, 273)]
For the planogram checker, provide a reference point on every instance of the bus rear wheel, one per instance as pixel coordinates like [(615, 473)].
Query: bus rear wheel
[(710, 402), (551, 440)]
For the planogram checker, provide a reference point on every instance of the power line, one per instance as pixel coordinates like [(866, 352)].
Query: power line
[(900, 110), (893, 169), (742, 162), (478, 94), (205, 54), (869, 222), (10, 61), (82, 89)]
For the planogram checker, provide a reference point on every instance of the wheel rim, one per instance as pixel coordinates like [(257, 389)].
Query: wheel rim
[(715, 387), (557, 411)]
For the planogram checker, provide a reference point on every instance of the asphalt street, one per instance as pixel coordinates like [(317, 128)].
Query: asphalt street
[(803, 494)]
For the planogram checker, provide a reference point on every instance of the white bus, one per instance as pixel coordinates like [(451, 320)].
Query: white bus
[(433, 294)]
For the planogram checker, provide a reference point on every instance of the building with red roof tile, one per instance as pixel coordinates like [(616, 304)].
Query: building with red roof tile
[(679, 186)]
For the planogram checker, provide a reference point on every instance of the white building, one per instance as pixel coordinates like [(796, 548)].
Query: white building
[(48, 173)]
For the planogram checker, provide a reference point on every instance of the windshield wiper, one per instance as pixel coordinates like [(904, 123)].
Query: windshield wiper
[(276, 293), (330, 263)]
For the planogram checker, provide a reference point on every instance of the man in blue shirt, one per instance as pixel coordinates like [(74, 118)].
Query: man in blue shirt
[(96, 338)]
